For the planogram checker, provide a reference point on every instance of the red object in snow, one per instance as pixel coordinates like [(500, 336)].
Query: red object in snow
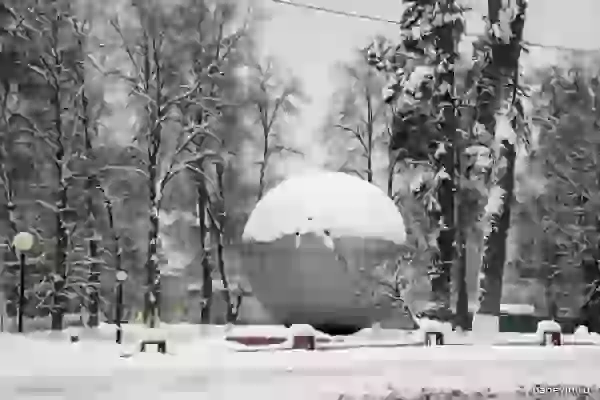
[(256, 340), (268, 340)]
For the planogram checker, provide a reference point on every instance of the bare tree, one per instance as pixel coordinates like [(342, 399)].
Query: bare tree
[(272, 99), (168, 151), (218, 50), (360, 111), (56, 128)]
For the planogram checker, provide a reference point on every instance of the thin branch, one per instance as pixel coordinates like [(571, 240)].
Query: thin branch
[(172, 170), (214, 220), (125, 168), (356, 134), (282, 148), (116, 26), (202, 174), (182, 96), (352, 171)]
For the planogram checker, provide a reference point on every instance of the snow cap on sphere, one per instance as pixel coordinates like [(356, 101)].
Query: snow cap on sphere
[(332, 202)]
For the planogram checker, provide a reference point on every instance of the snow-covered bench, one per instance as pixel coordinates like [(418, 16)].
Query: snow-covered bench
[(549, 333), (303, 337), (156, 337)]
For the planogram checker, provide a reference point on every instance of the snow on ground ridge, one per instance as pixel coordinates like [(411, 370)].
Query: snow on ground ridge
[(313, 202)]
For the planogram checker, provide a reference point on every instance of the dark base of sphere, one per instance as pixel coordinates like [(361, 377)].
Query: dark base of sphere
[(302, 281), (333, 329), (338, 330)]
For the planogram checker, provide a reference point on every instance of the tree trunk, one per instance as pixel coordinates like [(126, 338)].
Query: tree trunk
[(442, 263), (62, 239), (220, 227), (7, 177), (90, 185), (58, 296), (505, 61), (263, 166), (495, 250), (370, 132), (370, 163), (390, 180), (153, 86), (152, 297), (117, 252), (94, 283), (440, 273), (10, 208), (152, 273), (462, 300), (465, 224), (207, 289)]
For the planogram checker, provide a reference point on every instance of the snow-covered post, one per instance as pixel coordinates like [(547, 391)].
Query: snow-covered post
[(433, 329), (549, 333), (303, 337)]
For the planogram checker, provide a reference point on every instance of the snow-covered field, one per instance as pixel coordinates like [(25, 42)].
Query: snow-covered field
[(202, 366)]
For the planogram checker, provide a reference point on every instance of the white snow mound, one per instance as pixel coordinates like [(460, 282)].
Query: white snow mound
[(548, 326), (427, 325), (303, 330), (315, 202), (582, 331)]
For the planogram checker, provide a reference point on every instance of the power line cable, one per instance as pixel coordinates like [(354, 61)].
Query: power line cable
[(395, 22), (337, 12)]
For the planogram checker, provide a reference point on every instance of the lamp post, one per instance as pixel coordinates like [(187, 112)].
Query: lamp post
[(22, 242), (121, 277)]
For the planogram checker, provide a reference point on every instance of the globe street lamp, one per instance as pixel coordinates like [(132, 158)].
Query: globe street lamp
[(121, 277), (22, 242)]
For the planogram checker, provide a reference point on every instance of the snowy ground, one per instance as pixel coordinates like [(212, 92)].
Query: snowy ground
[(204, 367)]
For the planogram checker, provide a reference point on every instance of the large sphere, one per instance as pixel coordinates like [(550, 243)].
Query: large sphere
[(312, 244)]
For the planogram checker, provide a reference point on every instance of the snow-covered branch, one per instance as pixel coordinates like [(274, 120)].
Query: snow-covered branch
[(356, 133)]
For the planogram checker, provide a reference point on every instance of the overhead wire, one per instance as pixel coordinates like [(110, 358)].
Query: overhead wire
[(351, 14)]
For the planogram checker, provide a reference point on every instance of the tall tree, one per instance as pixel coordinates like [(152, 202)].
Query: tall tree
[(223, 41), (54, 120), (502, 113), (427, 119), (168, 89), (566, 212), (88, 116), (16, 161)]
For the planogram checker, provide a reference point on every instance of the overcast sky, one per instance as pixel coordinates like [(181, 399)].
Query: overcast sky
[(312, 42)]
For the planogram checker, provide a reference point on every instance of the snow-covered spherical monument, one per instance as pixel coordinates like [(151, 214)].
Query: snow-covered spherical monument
[(311, 245)]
